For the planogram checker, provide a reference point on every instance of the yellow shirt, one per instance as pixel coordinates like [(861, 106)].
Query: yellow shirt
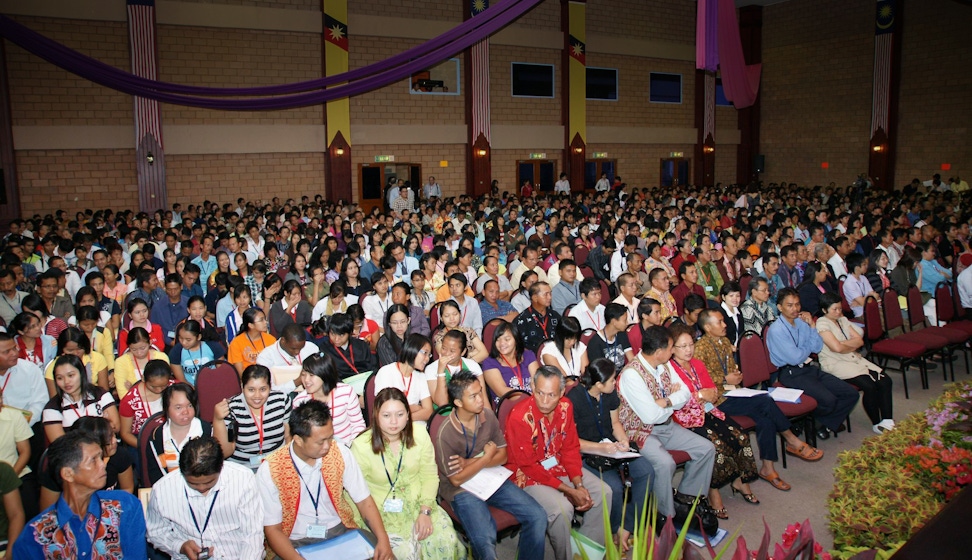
[(125, 373), (104, 344), (94, 362)]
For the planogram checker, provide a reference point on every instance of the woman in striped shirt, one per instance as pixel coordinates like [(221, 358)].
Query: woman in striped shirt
[(258, 415), (321, 382)]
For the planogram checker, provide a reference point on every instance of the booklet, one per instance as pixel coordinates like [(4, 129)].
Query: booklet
[(352, 545), (487, 481), (744, 392), (357, 382), (785, 394)]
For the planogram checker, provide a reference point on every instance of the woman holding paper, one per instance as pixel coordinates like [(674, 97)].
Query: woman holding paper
[(595, 402), (734, 457), (398, 463), (840, 358)]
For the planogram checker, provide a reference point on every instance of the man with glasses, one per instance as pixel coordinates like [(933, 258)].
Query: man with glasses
[(544, 454), (404, 265)]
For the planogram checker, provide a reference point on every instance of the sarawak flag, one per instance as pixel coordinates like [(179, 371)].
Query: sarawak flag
[(578, 50), (335, 32)]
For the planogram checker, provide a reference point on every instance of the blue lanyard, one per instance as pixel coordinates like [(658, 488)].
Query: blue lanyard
[(469, 451), (208, 515), (598, 413), (315, 499), (398, 471)]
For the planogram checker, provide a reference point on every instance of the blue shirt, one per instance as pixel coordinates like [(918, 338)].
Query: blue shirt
[(931, 274), (489, 312), (792, 344), (206, 268), (57, 530), (191, 360), (195, 291), (168, 315)]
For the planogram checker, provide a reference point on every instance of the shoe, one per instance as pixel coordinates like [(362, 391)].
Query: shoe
[(750, 498), (823, 433), (776, 482), (721, 513), (805, 452), (887, 424), (880, 428)]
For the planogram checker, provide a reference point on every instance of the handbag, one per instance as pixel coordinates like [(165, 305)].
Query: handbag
[(703, 520)]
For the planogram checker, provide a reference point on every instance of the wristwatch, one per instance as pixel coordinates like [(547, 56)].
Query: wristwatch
[(426, 511)]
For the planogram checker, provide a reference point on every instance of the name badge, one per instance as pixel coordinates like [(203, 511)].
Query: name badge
[(317, 531), (255, 461), (171, 334), (549, 463), (394, 505), (709, 288)]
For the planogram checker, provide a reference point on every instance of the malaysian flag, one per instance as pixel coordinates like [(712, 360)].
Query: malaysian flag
[(883, 46), (479, 74), (141, 35)]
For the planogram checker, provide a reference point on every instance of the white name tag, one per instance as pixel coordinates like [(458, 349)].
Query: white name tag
[(394, 505), (255, 461), (316, 531), (549, 463)]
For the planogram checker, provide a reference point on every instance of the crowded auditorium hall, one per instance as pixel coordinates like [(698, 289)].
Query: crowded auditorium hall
[(485, 279)]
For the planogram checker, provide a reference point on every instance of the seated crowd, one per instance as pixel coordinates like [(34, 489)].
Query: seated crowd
[(385, 360)]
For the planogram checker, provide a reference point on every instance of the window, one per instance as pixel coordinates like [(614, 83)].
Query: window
[(602, 84), (720, 95), (441, 79), (532, 80), (665, 88)]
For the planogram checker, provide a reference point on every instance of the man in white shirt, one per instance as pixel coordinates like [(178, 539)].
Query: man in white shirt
[(650, 392), (431, 189), (22, 382), (619, 260), (297, 481), (375, 305), (602, 185), (285, 357), (472, 317), (843, 247), (531, 260), (563, 185), (965, 288), (404, 265), (589, 312), (563, 251), (225, 513)]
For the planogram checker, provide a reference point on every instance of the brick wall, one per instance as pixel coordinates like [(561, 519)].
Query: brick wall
[(816, 87), (225, 177), (632, 107), (935, 123), (439, 10), (42, 94), (285, 4), (522, 110), (672, 21), (452, 179), (639, 165), (73, 180)]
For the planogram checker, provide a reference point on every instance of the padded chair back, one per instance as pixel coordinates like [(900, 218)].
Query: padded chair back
[(944, 304), (587, 335), (580, 254), (872, 320), (744, 281), (843, 299), (434, 317), (756, 367), (892, 311), (489, 332), (916, 315), (585, 270), (282, 273), (506, 404), (605, 293), (568, 309), (145, 452), (369, 397), (440, 417), (216, 381)]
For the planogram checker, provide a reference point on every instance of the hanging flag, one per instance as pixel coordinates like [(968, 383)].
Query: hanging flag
[(479, 74), (141, 35), (578, 50), (883, 46), (576, 74), (335, 32)]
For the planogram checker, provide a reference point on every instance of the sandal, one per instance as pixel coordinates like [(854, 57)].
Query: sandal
[(806, 453), (751, 498), (776, 482), (721, 513)]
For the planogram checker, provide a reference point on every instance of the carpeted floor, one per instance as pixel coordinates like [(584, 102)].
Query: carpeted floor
[(811, 482)]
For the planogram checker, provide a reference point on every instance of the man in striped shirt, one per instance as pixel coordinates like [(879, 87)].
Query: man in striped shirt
[(226, 512)]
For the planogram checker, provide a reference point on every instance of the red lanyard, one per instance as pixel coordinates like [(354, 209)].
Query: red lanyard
[(289, 363), (138, 370), (5, 381), (78, 410), (543, 326), (597, 324), (517, 372), (694, 376), (258, 423), (351, 353), (37, 356), (410, 377)]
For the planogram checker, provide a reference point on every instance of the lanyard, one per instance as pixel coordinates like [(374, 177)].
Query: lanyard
[(5, 381), (208, 515), (694, 376), (517, 372), (398, 471), (597, 324), (547, 439), (262, 343), (469, 450), (410, 378), (315, 499), (543, 326), (350, 353), (259, 423), (79, 409), (289, 363), (138, 370), (5, 300), (597, 413)]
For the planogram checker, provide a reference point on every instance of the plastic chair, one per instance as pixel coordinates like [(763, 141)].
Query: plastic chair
[(215, 381), (145, 453)]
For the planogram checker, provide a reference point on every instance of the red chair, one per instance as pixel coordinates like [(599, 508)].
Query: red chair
[(680, 457), (893, 320), (605, 293), (505, 405), (215, 381), (585, 271), (434, 317), (489, 332), (282, 273), (904, 351), (580, 255), (844, 305), (744, 281), (947, 309), (587, 335), (145, 452), (369, 397), (956, 338), (757, 370)]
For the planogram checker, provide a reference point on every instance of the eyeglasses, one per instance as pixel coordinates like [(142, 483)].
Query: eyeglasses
[(400, 323), (689, 345), (426, 352)]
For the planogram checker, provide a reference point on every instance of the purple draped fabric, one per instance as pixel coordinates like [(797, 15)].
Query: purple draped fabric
[(717, 44), (353, 83)]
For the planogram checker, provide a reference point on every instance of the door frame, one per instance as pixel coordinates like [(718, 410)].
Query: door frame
[(367, 204), (678, 180), (536, 173)]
